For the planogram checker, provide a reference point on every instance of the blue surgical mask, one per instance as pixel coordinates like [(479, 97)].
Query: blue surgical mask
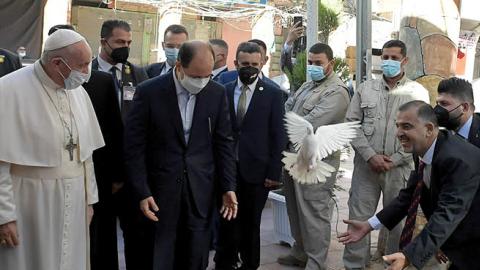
[(171, 54), (315, 73), (391, 68)]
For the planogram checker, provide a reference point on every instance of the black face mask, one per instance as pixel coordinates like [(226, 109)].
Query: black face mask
[(119, 55), (248, 74), (445, 120)]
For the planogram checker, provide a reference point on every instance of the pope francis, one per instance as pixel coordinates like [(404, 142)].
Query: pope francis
[(47, 184)]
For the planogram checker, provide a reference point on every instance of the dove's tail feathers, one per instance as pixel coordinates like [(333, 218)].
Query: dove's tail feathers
[(304, 176)]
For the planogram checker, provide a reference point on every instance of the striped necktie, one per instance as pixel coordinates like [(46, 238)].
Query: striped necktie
[(407, 232)]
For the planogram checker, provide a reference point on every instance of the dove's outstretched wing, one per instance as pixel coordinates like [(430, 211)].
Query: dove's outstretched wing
[(332, 138), (297, 128)]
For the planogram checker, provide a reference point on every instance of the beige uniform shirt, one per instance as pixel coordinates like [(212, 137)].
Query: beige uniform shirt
[(376, 106), (322, 103)]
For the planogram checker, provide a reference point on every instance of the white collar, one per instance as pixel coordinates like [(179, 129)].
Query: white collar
[(251, 86), (218, 70), (465, 129), (167, 66), (428, 156), (105, 66)]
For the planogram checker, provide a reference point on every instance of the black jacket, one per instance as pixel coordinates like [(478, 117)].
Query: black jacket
[(154, 70), (451, 205), (261, 138), (108, 160), (9, 62), (157, 156)]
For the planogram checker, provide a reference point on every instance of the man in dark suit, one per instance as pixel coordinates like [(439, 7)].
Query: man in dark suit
[(446, 185), (231, 76), (116, 37), (455, 110), (257, 111), (220, 48), (179, 148), (173, 37), (9, 62), (107, 161)]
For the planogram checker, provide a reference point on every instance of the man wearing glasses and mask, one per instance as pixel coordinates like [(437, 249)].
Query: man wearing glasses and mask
[(179, 154)]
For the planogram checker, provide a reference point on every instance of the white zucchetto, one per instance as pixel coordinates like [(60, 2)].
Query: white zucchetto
[(62, 38)]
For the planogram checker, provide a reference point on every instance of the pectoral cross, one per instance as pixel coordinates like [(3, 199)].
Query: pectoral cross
[(70, 147)]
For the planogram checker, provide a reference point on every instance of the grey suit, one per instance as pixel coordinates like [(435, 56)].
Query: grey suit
[(310, 206)]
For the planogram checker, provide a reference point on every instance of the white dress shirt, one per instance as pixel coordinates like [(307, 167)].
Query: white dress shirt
[(465, 129), (106, 67), (166, 68), (427, 172), (215, 72), (238, 92)]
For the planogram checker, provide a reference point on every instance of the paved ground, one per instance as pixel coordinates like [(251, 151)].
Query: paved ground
[(271, 249)]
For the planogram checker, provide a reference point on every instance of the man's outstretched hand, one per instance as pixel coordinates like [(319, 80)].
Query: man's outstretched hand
[(356, 231)]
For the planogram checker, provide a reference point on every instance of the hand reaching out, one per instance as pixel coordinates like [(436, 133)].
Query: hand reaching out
[(356, 231)]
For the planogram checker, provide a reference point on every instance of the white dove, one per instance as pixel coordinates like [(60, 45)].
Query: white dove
[(306, 166)]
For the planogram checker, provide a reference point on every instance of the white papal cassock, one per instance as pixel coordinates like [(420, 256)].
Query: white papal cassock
[(40, 187)]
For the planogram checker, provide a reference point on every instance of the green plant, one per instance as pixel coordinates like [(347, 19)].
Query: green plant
[(328, 21), (341, 68), (299, 72)]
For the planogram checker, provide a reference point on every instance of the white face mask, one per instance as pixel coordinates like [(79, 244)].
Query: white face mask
[(193, 85), (76, 78)]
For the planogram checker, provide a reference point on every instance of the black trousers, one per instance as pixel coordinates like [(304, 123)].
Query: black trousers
[(103, 232), (182, 235), (240, 238)]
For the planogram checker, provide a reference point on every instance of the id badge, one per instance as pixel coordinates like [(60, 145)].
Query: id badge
[(128, 92)]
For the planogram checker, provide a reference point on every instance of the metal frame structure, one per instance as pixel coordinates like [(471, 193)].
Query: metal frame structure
[(364, 41)]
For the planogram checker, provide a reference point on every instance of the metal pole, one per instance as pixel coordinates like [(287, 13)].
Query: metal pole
[(364, 41), (312, 20), (312, 25)]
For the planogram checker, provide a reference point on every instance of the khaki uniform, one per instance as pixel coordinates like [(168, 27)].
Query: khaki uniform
[(376, 106), (310, 207)]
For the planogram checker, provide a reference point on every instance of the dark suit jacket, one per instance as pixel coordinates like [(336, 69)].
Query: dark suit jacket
[(108, 160), (216, 77), (474, 134), (157, 156), (11, 62), (131, 75), (153, 70), (451, 205), (261, 138)]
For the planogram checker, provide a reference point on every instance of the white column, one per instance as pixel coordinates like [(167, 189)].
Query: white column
[(55, 12)]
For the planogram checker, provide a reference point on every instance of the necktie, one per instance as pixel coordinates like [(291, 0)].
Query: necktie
[(407, 231), (242, 105), (118, 89)]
